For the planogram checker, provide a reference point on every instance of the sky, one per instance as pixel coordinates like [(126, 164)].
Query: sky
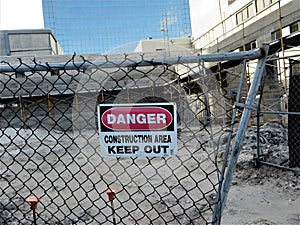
[(204, 15), (30, 14), (109, 26)]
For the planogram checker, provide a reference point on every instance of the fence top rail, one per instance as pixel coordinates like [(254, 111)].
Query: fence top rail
[(72, 64)]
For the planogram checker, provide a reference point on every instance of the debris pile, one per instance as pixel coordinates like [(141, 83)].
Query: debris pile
[(273, 141)]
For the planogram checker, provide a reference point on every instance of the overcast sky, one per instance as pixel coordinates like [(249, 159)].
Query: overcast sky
[(21, 14), (204, 14)]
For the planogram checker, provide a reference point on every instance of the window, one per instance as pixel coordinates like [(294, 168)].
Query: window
[(245, 14), (239, 18), (261, 4), (229, 23), (278, 34), (250, 11), (252, 45), (249, 46), (275, 35), (295, 27)]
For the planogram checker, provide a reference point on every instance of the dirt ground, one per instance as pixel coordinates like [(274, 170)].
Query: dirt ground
[(265, 195)]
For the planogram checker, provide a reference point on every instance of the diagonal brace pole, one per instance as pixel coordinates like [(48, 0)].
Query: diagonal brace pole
[(260, 69)]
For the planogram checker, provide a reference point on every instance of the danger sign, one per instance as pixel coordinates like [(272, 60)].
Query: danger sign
[(131, 130)]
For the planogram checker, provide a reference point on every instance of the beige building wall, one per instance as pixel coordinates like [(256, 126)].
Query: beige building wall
[(163, 45)]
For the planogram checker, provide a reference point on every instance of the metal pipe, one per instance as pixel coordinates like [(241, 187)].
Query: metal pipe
[(285, 57), (241, 84), (258, 118), (280, 167), (113, 212), (34, 217), (252, 54), (277, 112), (239, 137)]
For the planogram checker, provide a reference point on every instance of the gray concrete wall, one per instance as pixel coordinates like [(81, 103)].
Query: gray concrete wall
[(28, 42)]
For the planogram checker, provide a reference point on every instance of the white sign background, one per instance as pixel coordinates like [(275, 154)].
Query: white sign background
[(138, 143)]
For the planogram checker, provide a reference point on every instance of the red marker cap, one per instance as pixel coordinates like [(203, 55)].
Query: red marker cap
[(111, 193), (33, 200)]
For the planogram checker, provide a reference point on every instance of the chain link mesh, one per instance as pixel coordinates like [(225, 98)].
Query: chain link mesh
[(50, 143), (279, 114)]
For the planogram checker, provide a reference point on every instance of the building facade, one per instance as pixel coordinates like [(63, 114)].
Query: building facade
[(243, 25)]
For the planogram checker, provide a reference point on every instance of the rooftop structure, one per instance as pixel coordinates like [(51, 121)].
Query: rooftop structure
[(28, 42)]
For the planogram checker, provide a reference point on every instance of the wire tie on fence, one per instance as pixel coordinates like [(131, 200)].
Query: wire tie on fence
[(238, 104)]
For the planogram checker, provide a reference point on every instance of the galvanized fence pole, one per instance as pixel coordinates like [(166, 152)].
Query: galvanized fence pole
[(253, 54), (248, 107), (227, 150)]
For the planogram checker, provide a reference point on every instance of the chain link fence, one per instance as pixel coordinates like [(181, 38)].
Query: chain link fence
[(50, 145), (276, 126)]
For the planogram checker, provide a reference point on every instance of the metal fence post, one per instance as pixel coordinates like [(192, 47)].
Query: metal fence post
[(111, 196), (240, 135)]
